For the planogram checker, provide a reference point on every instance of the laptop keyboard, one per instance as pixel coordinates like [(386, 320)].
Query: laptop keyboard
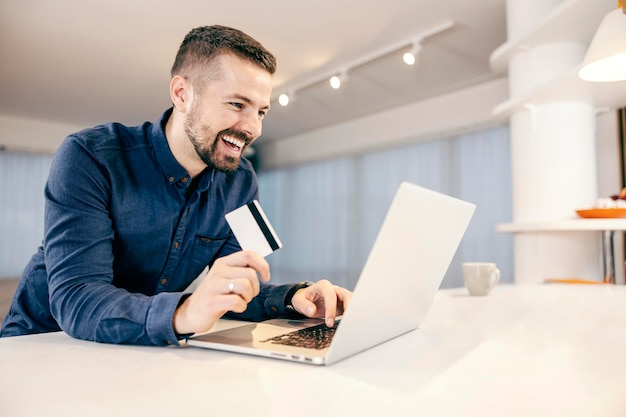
[(316, 337)]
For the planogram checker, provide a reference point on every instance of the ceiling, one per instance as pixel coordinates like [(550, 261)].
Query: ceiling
[(88, 62)]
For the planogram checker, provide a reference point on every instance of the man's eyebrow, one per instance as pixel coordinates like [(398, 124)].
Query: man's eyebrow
[(247, 100)]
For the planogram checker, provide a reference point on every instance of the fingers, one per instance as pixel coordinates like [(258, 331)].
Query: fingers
[(343, 297), (231, 283), (322, 300), (329, 297), (242, 265), (239, 281), (244, 288), (247, 259)]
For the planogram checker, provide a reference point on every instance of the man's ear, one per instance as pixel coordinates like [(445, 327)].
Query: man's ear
[(180, 93)]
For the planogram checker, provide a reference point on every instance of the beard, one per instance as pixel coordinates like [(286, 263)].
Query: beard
[(208, 150)]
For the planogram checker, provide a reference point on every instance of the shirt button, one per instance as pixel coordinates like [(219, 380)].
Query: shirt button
[(171, 179), (274, 309), (175, 245), (185, 179), (163, 281)]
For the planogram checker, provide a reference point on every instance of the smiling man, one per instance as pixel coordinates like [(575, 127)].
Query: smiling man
[(134, 214)]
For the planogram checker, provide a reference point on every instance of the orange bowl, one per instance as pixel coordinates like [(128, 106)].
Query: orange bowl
[(602, 213)]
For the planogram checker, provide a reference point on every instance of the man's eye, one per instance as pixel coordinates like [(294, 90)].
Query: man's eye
[(238, 105), (262, 115)]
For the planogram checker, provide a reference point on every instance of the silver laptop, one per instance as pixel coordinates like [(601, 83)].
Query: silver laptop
[(412, 252)]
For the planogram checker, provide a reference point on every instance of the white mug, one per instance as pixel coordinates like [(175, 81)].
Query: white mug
[(480, 277)]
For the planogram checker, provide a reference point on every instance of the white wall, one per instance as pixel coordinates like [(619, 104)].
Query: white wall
[(33, 135), (442, 116)]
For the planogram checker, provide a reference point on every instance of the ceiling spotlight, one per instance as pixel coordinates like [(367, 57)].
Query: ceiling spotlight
[(337, 80), (283, 99), (410, 57), (341, 74)]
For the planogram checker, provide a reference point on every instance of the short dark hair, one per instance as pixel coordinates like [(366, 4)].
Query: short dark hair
[(201, 45)]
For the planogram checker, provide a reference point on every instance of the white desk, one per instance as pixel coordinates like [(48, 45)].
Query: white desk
[(545, 350), (608, 227)]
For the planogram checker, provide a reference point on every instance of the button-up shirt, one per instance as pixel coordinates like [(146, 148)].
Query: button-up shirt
[(126, 231)]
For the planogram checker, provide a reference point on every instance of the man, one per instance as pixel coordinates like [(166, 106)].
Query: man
[(134, 214)]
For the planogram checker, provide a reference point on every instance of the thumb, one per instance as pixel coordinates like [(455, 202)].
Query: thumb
[(303, 305), (307, 307)]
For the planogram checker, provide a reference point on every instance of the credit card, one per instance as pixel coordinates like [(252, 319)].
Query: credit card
[(253, 230)]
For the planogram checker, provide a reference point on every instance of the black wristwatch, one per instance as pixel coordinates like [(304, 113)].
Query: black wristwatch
[(290, 294)]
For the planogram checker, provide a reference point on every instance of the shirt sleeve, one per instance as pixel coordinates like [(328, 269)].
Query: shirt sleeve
[(78, 244)]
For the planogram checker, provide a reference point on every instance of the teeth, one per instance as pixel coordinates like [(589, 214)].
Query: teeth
[(234, 141)]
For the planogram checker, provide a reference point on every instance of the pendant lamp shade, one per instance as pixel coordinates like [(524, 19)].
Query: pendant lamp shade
[(606, 57)]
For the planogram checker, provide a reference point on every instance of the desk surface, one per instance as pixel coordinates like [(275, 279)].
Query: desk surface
[(542, 350)]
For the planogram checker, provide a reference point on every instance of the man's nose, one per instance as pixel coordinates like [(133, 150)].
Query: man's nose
[(251, 124)]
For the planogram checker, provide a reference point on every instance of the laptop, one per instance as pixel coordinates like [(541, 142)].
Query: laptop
[(410, 256)]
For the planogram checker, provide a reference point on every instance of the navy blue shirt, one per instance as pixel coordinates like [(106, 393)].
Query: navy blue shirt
[(126, 231)]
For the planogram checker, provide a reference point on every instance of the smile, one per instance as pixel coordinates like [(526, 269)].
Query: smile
[(233, 141)]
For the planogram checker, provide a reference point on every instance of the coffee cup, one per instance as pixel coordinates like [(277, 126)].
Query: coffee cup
[(480, 277)]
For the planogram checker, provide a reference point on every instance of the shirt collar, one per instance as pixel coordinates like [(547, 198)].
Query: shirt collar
[(173, 171)]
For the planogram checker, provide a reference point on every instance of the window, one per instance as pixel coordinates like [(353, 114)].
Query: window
[(327, 213)]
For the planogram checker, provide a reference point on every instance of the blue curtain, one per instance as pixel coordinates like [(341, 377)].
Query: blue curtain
[(22, 180), (327, 213)]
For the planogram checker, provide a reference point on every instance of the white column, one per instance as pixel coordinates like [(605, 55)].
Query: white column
[(553, 157)]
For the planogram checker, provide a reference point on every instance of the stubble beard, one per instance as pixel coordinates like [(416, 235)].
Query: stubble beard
[(208, 151)]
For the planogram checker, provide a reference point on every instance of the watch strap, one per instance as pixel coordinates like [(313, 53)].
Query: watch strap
[(292, 291)]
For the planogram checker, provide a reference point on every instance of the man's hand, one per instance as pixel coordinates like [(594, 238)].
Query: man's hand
[(322, 300), (230, 284)]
